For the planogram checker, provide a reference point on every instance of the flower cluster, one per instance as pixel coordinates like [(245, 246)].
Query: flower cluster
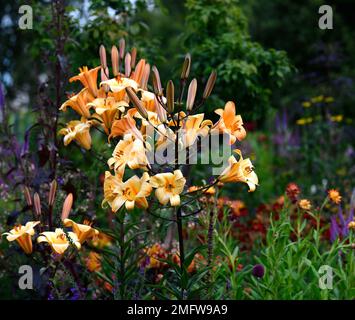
[(59, 240), (123, 108)]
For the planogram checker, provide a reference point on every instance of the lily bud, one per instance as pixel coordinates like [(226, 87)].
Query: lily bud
[(52, 192), (115, 61), (158, 90), (103, 60), (191, 95), (137, 103), (133, 57), (170, 96), (122, 45), (210, 84), (160, 110), (145, 77), (127, 65), (186, 67), (37, 204), (139, 70), (67, 205), (28, 196)]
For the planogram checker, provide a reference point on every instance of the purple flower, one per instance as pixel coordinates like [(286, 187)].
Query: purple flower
[(258, 271), (339, 224)]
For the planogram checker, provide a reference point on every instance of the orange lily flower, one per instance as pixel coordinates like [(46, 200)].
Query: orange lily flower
[(22, 234), (78, 131), (168, 187), (79, 103), (240, 171), (83, 231), (130, 193), (230, 123), (58, 240), (88, 78)]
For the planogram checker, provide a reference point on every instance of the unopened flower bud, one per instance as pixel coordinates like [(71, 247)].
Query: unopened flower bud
[(170, 96), (52, 192), (37, 204), (160, 110), (186, 67), (210, 84), (145, 77), (103, 60), (122, 45), (67, 205), (137, 103), (28, 196), (158, 90), (133, 57), (191, 95), (115, 61), (127, 64)]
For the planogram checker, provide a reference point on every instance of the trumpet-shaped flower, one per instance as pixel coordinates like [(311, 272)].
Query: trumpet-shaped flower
[(23, 234), (83, 231), (88, 78), (79, 103), (168, 187), (240, 171), (78, 131), (126, 125), (107, 109), (120, 84), (193, 127), (129, 151), (130, 193), (58, 240), (230, 123)]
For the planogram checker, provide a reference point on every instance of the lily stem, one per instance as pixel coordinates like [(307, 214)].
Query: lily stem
[(181, 246)]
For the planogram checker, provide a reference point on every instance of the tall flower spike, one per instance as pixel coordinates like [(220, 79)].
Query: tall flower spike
[(103, 60), (145, 78), (37, 204), (67, 205), (137, 103), (158, 90), (191, 95), (122, 46), (52, 192), (28, 196), (115, 60), (186, 67), (210, 84), (133, 57), (127, 64), (170, 96)]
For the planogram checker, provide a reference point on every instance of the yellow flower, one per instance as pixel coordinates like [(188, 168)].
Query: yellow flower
[(240, 171), (78, 131), (351, 225), (129, 151), (230, 123), (88, 78), (334, 196), (304, 121), (306, 104), (130, 193), (79, 103), (168, 187), (317, 99), (107, 109), (22, 234), (58, 240), (117, 85), (337, 118), (305, 204), (329, 99), (82, 231), (193, 127)]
